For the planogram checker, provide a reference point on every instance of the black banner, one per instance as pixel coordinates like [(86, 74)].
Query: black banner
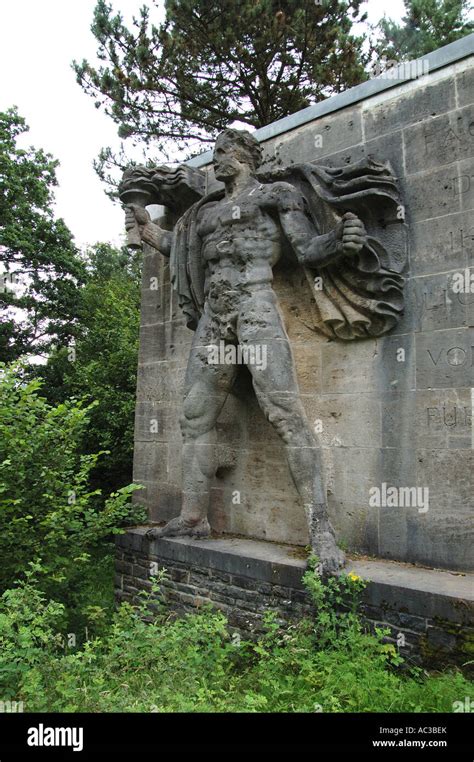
[(88, 736)]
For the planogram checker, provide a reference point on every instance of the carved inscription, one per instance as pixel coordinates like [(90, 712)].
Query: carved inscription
[(449, 138), (455, 357), (451, 416)]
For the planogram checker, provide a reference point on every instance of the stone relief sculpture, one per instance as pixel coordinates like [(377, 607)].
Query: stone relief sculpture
[(338, 224)]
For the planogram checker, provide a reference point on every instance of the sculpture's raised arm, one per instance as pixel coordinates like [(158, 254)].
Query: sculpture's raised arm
[(175, 188)]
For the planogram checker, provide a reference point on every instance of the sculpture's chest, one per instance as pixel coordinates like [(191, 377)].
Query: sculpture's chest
[(237, 215)]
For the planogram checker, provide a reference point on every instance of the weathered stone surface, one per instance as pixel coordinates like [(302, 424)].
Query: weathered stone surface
[(390, 146), (442, 534), (316, 140), (449, 476), (465, 86), (373, 366), (348, 420), (438, 305), (438, 242), (444, 416), (435, 193), (419, 104), (464, 184), (358, 474), (445, 359), (399, 417), (439, 141)]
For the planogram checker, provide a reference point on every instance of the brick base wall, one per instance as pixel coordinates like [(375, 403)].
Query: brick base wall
[(430, 613)]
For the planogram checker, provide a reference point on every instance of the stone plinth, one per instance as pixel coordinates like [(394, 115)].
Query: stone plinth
[(432, 609)]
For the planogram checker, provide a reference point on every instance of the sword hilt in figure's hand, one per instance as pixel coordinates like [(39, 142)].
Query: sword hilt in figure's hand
[(350, 234)]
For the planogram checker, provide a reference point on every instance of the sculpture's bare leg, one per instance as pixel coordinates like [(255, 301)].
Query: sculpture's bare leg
[(277, 391), (206, 389)]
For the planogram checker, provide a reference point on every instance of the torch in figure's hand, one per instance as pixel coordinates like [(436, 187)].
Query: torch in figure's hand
[(174, 188), (136, 217)]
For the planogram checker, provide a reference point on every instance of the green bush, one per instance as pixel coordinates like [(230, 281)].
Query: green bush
[(47, 510), (30, 636), (103, 365), (147, 660)]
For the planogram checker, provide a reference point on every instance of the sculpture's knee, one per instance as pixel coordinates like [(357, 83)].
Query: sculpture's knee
[(289, 420), (195, 420)]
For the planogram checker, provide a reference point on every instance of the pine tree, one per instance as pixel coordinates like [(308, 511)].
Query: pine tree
[(427, 25), (175, 85)]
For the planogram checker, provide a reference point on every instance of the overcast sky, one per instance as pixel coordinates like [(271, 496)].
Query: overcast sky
[(38, 41)]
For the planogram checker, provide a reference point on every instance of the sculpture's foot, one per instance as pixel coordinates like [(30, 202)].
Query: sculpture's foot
[(323, 542), (330, 557), (178, 527)]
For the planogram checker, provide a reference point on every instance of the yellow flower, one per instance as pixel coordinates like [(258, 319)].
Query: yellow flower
[(353, 577)]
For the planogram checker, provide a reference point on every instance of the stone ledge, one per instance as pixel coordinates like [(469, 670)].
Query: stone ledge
[(259, 560), (431, 593)]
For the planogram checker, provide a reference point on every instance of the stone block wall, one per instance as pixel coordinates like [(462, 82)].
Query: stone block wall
[(430, 614), (399, 422)]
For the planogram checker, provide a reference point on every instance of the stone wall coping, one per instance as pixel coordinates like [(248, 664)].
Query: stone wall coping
[(437, 59), (433, 593)]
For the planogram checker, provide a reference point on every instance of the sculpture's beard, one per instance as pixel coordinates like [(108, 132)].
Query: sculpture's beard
[(224, 171)]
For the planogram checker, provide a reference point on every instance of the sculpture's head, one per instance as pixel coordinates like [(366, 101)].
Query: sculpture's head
[(234, 149)]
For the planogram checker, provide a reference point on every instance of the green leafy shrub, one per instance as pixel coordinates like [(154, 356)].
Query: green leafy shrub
[(30, 637), (147, 660), (47, 509)]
